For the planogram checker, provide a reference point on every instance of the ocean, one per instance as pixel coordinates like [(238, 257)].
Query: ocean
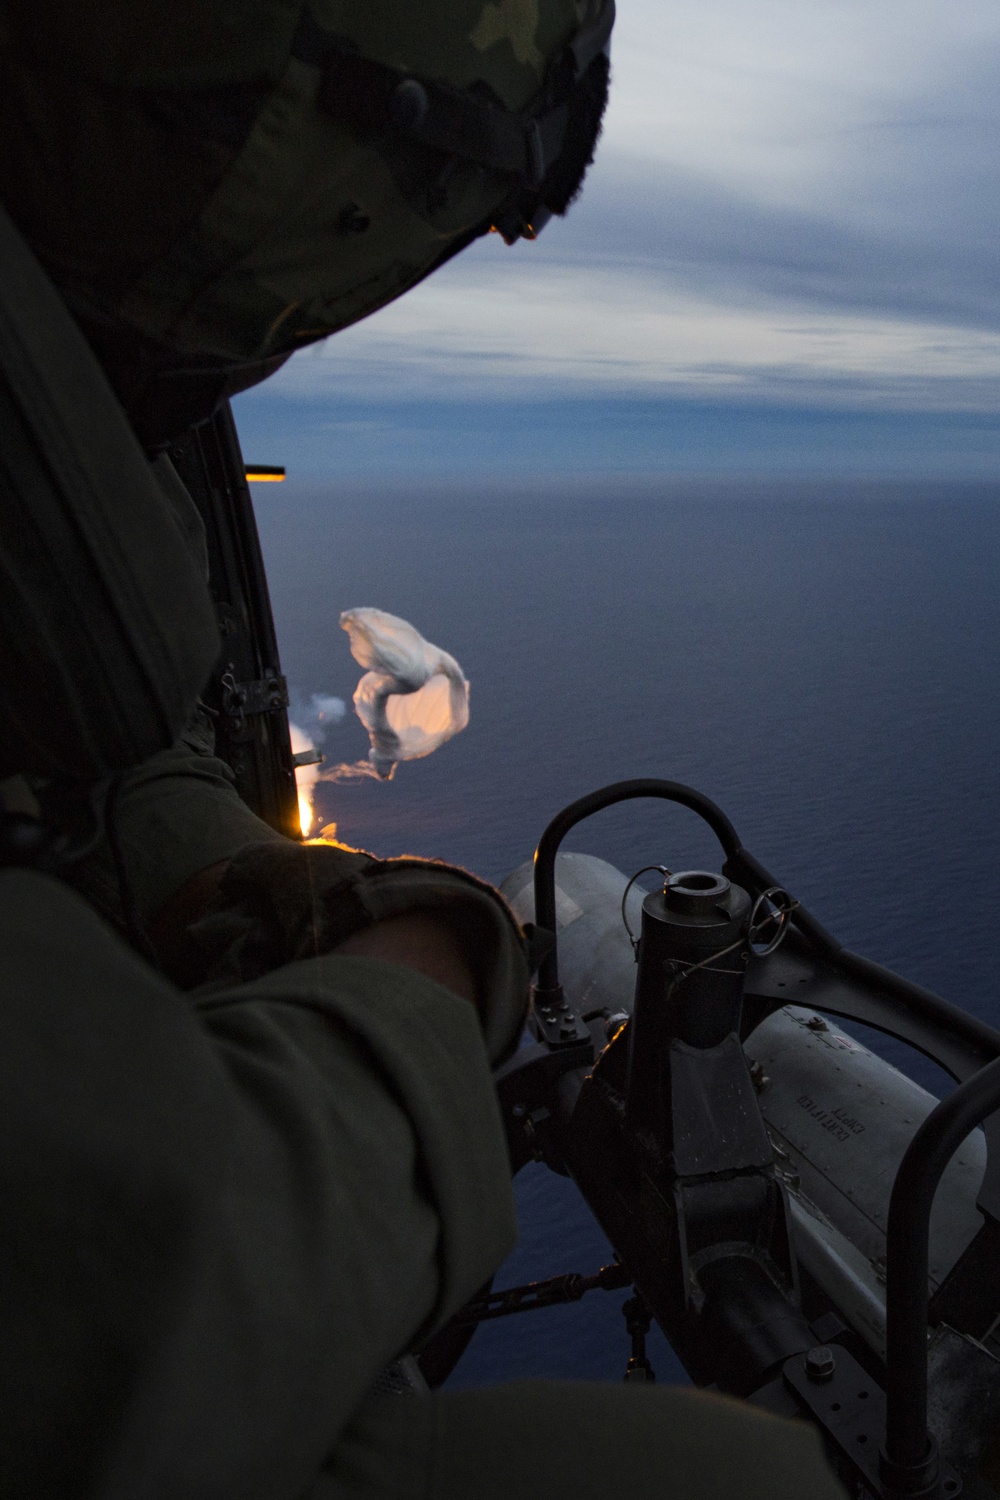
[(821, 659)]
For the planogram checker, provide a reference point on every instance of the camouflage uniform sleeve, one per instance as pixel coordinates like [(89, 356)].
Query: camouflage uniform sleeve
[(397, 1044), (574, 1441), (175, 814), (223, 1221), (178, 813)]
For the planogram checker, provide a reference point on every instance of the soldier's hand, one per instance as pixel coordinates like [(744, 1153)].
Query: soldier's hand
[(417, 942), (283, 901)]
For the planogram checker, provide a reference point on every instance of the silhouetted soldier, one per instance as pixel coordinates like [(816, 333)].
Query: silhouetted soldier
[(227, 1210)]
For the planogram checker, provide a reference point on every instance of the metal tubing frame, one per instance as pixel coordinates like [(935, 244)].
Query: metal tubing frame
[(607, 796), (929, 1152), (980, 1043)]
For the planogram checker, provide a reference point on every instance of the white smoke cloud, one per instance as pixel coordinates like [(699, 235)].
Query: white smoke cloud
[(412, 698)]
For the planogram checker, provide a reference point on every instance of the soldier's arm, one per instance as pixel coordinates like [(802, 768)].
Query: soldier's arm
[(225, 1216)]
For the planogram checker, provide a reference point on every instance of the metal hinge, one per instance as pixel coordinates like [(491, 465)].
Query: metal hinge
[(260, 696)]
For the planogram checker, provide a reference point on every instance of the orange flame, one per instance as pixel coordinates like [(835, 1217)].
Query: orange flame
[(305, 778), (305, 812)]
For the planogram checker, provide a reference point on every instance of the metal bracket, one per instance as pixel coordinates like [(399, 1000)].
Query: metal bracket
[(260, 696), (557, 1024), (849, 1407), (525, 1084)]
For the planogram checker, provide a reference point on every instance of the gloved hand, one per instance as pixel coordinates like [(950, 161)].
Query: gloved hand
[(279, 902)]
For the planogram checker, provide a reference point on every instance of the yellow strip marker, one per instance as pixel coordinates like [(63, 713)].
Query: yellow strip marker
[(265, 473)]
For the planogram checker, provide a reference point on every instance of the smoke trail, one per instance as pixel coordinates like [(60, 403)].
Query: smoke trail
[(357, 770)]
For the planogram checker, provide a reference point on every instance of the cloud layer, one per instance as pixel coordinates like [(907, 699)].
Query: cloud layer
[(792, 204)]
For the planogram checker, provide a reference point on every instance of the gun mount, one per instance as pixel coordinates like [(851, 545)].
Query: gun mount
[(768, 1184)]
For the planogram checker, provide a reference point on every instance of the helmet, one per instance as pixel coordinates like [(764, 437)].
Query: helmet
[(213, 184)]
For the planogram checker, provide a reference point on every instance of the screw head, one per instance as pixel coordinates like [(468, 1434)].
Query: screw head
[(820, 1363)]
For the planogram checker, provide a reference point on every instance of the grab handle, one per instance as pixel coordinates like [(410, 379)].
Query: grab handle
[(619, 791)]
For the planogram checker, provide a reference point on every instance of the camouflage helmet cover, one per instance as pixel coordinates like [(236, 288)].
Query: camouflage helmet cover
[(233, 179)]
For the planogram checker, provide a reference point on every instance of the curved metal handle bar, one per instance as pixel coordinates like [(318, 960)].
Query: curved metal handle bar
[(929, 1152), (979, 1041), (607, 796)]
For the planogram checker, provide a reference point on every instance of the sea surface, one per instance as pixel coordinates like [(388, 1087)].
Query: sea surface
[(820, 659)]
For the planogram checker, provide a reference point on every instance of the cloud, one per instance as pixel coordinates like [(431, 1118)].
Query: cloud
[(587, 329), (793, 203), (722, 244), (802, 101)]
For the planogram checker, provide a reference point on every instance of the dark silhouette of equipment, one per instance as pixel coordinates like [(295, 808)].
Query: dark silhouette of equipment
[(654, 1108)]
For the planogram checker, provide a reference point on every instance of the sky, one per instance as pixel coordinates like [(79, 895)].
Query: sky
[(784, 259)]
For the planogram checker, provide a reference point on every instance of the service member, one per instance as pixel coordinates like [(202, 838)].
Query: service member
[(228, 1207)]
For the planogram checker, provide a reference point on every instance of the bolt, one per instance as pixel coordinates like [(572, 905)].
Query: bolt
[(567, 1029), (758, 1077), (820, 1363), (354, 220)]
